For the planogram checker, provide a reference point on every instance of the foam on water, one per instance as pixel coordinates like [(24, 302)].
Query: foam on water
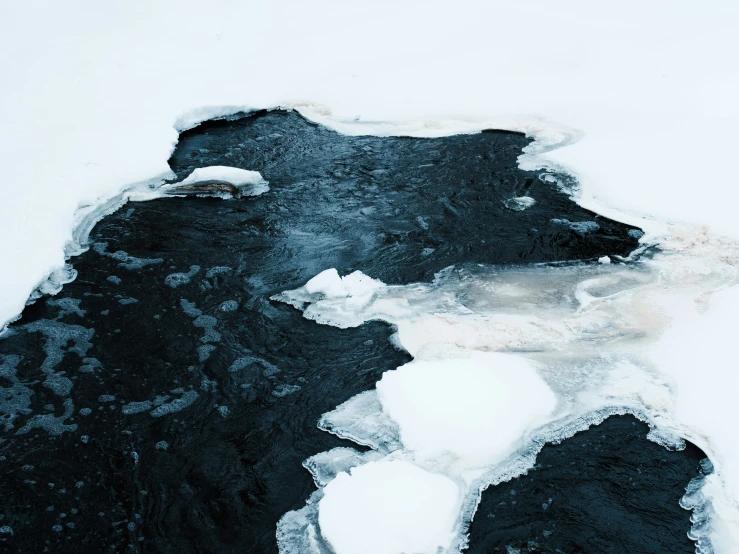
[(174, 280), (15, 400), (186, 399), (509, 358)]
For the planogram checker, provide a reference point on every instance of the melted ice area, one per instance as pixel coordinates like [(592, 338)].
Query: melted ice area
[(507, 358)]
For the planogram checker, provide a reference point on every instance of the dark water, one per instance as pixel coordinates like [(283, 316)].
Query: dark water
[(162, 403), (607, 489)]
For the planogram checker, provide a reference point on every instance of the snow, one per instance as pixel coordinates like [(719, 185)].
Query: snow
[(644, 95), (347, 294), (388, 507), (330, 285), (251, 182), (507, 358), (706, 382), (446, 407), (639, 99)]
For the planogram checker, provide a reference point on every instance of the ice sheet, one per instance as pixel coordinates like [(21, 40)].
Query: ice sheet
[(507, 358)]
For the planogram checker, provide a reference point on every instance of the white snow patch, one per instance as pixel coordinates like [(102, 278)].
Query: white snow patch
[(389, 507), (251, 182), (466, 412), (346, 295), (330, 285), (705, 379)]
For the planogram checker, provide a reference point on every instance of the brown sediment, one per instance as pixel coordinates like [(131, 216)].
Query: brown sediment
[(207, 186)]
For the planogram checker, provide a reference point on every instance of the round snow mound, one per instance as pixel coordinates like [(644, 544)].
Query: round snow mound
[(476, 408), (389, 507)]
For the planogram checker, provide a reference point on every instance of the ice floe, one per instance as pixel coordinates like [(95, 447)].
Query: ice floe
[(508, 358)]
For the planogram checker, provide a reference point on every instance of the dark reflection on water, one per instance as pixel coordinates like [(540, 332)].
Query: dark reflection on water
[(607, 489)]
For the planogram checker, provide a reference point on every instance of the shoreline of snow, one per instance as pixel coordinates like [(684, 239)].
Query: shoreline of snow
[(546, 138), (88, 215)]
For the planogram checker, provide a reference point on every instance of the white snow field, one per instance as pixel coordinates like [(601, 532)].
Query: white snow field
[(640, 100)]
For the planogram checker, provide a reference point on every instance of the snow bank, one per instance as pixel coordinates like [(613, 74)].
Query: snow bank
[(328, 284), (388, 507), (705, 378), (97, 93)]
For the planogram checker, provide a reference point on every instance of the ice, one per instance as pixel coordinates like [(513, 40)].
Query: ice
[(184, 401), (126, 260), (388, 507), (705, 380), (328, 284), (581, 227), (327, 465), (622, 107), (174, 280), (473, 410), (345, 294), (567, 346), (520, 203), (640, 102), (362, 420)]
